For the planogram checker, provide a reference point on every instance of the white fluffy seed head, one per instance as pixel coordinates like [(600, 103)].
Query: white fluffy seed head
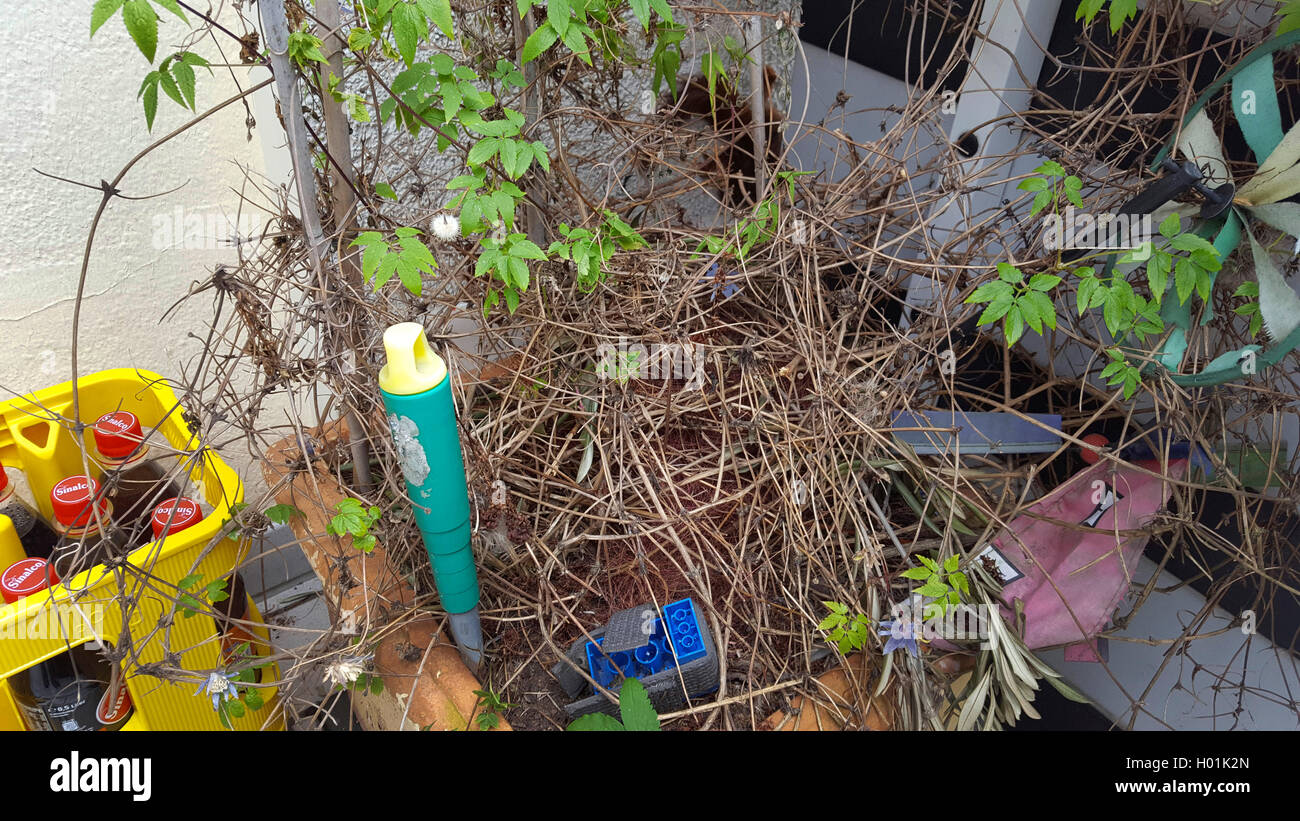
[(444, 226)]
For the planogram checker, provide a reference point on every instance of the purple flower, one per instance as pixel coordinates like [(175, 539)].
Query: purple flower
[(902, 633), (728, 289), (220, 686)]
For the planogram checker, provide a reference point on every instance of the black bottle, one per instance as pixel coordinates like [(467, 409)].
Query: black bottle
[(38, 538), (133, 482), (76, 690)]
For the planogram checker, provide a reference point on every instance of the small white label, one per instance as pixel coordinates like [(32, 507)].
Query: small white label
[(1006, 569)]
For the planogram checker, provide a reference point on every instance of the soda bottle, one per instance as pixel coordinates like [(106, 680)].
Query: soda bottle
[(75, 500), (38, 538), (135, 482), (183, 513), (76, 690)]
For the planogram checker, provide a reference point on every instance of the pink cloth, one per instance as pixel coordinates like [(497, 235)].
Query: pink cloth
[(1084, 563)]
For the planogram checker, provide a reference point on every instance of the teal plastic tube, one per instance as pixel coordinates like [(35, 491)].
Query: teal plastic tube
[(416, 391)]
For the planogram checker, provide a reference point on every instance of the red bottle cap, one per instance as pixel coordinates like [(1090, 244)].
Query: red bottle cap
[(187, 514), (1090, 455), (71, 499), (4, 478), (118, 434), (25, 577)]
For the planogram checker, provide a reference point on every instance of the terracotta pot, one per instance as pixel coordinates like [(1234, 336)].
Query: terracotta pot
[(836, 701), (365, 592)]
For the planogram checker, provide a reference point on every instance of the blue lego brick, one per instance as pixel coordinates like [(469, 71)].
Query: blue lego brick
[(669, 681), (682, 634), (684, 630)]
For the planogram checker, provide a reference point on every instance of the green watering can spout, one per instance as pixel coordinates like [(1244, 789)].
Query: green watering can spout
[(416, 391)]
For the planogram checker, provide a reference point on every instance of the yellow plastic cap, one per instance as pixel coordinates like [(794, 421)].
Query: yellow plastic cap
[(412, 366)]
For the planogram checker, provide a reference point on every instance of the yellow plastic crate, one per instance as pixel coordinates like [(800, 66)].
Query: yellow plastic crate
[(37, 436)]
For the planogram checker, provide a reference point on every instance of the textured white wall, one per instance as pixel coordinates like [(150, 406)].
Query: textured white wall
[(71, 110)]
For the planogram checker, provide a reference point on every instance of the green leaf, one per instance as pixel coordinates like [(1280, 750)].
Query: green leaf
[(184, 75), (594, 722), (558, 14), (189, 581), (1041, 199), (662, 8), (933, 588), (150, 104), (1083, 296), (928, 562), (517, 273), (359, 39), (1131, 380), (1184, 279), (542, 156), (1044, 282), (253, 700), (1191, 242), (142, 24), (483, 150), (235, 708), (1043, 308), (996, 309), (216, 591), (1121, 10), (507, 152), (407, 22), (1034, 184), (1088, 9), (951, 563), (471, 215), (386, 191), (539, 41), (1113, 312), (1203, 285), (526, 249), (991, 292), (641, 8), (1050, 168), (918, 573), (1032, 312), (174, 8), (576, 40), (634, 704), (439, 11), (280, 514), (1009, 273), (1170, 226), (1249, 289), (959, 581), (1013, 325), (102, 13), (169, 86), (1158, 275)]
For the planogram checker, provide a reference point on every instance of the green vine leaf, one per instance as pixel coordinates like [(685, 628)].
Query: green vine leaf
[(142, 24)]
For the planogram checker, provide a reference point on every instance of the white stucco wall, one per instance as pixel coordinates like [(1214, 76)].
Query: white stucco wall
[(71, 110)]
